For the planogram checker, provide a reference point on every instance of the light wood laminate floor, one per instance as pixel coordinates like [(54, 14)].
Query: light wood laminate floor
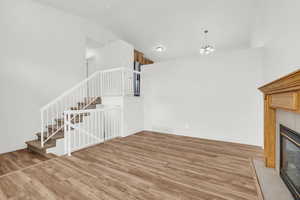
[(17, 160), (143, 166)]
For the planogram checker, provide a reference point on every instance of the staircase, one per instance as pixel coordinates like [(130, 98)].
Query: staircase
[(78, 106), (58, 128)]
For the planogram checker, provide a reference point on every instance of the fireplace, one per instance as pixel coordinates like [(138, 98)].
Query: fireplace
[(290, 160)]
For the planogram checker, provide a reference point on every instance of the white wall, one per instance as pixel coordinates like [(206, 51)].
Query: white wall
[(42, 54), (121, 54), (212, 97), (277, 29), (115, 54), (133, 115)]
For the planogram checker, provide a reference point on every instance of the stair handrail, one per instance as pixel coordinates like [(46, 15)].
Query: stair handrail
[(60, 128), (79, 84), (66, 94), (77, 112)]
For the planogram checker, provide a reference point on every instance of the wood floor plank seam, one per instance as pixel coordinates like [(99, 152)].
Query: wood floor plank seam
[(31, 166)]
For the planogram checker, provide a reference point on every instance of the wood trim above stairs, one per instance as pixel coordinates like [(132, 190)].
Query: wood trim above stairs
[(35, 145), (139, 57), (283, 93)]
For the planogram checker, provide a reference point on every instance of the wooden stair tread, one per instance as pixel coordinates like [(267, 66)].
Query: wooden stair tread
[(92, 100), (84, 107), (57, 136), (77, 115), (37, 144), (77, 120), (59, 120), (53, 128)]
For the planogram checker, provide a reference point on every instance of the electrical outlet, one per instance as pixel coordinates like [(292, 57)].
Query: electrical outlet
[(187, 126)]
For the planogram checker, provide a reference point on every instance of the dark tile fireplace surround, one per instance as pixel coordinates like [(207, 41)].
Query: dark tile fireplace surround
[(290, 160)]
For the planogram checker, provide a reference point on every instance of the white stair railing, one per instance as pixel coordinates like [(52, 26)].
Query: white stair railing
[(112, 82), (91, 127)]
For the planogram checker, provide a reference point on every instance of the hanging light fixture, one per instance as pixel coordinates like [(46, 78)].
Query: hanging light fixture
[(206, 48)]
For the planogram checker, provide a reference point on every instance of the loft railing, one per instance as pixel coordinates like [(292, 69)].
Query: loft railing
[(85, 95), (98, 125)]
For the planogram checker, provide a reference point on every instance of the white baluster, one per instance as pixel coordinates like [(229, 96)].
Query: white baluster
[(65, 133), (42, 128)]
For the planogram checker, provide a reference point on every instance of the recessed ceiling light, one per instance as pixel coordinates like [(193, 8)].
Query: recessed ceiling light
[(159, 48)]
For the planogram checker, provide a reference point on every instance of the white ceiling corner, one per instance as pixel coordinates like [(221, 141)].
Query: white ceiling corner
[(176, 24)]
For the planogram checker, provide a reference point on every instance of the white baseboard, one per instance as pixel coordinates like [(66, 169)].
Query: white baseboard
[(176, 132)]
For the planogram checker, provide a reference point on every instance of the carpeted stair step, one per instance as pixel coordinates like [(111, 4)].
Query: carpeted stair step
[(78, 115), (54, 127), (93, 100), (82, 106), (57, 136), (35, 146), (76, 120)]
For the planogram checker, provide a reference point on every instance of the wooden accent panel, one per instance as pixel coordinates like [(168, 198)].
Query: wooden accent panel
[(139, 57), (147, 61), (287, 100), (269, 133)]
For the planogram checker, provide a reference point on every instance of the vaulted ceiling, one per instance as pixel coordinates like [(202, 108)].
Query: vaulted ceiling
[(177, 24)]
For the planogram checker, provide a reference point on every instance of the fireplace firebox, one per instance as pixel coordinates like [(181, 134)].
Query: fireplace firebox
[(290, 160)]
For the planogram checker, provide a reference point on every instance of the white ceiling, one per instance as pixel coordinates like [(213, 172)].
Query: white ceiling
[(177, 24)]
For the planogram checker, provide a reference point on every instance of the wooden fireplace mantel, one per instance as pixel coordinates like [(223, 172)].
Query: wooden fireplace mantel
[(283, 93)]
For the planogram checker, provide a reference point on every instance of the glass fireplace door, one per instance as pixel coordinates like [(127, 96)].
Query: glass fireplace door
[(290, 164)]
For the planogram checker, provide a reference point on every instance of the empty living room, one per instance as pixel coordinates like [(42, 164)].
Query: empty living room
[(150, 100)]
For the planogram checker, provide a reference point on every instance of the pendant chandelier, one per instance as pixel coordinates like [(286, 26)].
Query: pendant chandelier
[(206, 48)]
